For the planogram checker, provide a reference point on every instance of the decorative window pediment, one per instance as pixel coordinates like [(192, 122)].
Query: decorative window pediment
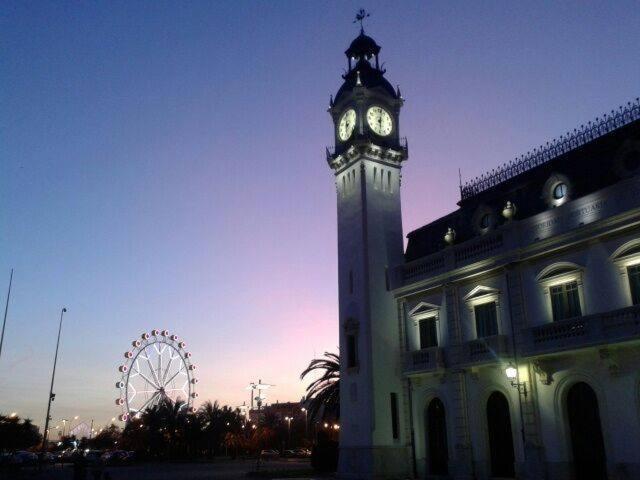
[(560, 272), (627, 254), (424, 310), (480, 294)]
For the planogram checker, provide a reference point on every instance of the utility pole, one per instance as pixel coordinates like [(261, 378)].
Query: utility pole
[(6, 309), (51, 394)]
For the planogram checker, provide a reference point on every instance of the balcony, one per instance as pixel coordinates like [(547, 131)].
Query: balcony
[(591, 330), (425, 360), (486, 350)]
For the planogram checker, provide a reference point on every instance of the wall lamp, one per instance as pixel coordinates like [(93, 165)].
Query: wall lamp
[(512, 374)]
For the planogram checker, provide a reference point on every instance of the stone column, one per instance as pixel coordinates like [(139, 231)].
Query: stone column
[(461, 466)]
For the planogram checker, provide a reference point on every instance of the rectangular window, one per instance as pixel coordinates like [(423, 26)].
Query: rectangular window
[(428, 333), (565, 301), (634, 283), (486, 319), (394, 415), (386, 278), (352, 351)]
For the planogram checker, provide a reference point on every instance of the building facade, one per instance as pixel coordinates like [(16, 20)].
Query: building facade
[(505, 341)]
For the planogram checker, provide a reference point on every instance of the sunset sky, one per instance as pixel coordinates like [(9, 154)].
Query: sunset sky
[(163, 167)]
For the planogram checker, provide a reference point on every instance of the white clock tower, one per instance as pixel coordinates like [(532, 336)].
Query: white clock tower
[(367, 165)]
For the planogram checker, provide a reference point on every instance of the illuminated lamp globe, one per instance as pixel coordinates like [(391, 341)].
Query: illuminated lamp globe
[(511, 372)]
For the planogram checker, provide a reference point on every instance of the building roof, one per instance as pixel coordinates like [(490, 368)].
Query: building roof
[(586, 160)]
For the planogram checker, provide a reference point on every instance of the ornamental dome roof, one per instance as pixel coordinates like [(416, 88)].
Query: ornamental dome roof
[(362, 46)]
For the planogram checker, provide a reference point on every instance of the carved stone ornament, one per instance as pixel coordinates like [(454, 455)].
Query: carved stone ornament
[(545, 374), (509, 211), (450, 236)]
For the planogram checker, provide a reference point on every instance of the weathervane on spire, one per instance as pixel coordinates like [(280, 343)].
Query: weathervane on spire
[(360, 16)]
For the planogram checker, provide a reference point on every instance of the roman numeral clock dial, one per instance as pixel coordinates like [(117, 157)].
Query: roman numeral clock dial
[(347, 124), (379, 121)]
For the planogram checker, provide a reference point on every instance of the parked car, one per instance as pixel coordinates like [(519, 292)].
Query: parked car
[(269, 454), (93, 456), (23, 457), (47, 457), (115, 457), (302, 452), (289, 453)]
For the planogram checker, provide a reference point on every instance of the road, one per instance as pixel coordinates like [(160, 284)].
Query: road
[(168, 471)]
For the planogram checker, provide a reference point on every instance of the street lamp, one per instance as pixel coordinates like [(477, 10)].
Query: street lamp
[(288, 419), (53, 375), (305, 421), (512, 374)]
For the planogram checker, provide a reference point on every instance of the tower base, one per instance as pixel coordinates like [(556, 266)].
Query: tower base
[(384, 463)]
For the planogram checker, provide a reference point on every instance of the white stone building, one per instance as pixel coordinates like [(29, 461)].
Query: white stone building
[(505, 341)]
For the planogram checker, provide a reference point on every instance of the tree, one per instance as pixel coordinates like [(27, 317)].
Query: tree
[(323, 394), (16, 434), (107, 438)]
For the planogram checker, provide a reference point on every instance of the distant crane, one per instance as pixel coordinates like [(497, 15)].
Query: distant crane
[(259, 398)]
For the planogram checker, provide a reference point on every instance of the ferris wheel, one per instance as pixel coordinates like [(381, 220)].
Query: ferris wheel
[(157, 368)]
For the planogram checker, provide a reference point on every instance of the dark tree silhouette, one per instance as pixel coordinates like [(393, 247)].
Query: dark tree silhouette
[(17, 434), (323, 394)]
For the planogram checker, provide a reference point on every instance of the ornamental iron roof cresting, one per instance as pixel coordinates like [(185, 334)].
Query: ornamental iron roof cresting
[(544, 153)]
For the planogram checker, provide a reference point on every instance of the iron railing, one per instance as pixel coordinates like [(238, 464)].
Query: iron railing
[(559, 146)]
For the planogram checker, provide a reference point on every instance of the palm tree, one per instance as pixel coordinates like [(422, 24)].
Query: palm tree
[(323, 394)]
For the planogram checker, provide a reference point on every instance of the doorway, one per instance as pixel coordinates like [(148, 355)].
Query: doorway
[(436, 432), (500, 436), (587, 443)]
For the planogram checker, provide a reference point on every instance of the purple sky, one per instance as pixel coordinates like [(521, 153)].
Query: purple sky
[(163, 166)]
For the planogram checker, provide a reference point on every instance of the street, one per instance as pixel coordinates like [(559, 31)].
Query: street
[(172, 471)]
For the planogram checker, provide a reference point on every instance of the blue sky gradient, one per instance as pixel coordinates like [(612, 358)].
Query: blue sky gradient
[(163, 166)]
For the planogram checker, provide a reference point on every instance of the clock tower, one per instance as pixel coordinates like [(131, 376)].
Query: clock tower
[(366, 161)]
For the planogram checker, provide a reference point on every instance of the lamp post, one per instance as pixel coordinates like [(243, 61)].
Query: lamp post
[(513, 375), (305, 422), (288, 419), (53, 376), (6, 309)]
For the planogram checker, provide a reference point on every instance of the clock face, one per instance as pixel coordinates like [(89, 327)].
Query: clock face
[(379, 121), (347, 124)]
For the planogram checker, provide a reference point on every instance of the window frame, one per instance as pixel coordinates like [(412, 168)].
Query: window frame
[(625, 257), (482, 295), (561, 273), (426, 312), (475, 315)]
